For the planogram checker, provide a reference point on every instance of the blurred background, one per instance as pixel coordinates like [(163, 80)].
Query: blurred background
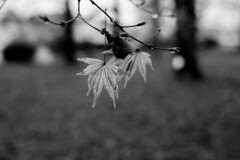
[(188, 110)]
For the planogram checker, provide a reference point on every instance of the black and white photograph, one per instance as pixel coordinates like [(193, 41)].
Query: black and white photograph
[(119, 80)]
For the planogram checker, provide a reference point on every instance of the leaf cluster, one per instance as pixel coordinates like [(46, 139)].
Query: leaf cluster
[(125, 58), (108, 74)]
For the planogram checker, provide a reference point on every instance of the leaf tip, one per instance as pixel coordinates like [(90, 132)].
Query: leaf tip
[(114, 104)]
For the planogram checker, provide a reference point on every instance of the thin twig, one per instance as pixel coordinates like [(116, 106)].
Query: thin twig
[(109, 17), (136, 25), (153, 14), (156, 35), (97, 29), (2, 4), (117, 26)]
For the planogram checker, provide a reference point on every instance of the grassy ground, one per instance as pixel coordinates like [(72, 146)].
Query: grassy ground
[(45, 115)]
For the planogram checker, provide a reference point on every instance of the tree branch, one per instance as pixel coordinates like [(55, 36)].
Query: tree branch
[(117, 26)]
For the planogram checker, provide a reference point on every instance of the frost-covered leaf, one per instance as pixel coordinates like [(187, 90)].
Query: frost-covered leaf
[(101, 75), (137, 60)]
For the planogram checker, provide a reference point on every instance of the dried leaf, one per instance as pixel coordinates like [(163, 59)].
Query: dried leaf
[(101, 75), (94, 64), (137, 60)]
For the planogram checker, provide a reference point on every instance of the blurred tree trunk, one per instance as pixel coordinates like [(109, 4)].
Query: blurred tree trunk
[(238, 47), (116, 12), (155, 18), (186, 33), (68, 41)]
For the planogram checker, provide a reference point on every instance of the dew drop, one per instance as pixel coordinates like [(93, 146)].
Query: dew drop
[(155, 16), (138, 27)]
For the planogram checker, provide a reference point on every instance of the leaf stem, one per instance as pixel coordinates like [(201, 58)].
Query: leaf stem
[(80, 17), (109, 17), (136, 25)]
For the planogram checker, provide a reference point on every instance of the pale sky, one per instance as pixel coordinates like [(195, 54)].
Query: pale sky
[(28, 8)]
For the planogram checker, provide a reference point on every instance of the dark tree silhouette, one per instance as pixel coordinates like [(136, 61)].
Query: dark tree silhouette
[(186, 33), (155, 21), (68, 41)]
